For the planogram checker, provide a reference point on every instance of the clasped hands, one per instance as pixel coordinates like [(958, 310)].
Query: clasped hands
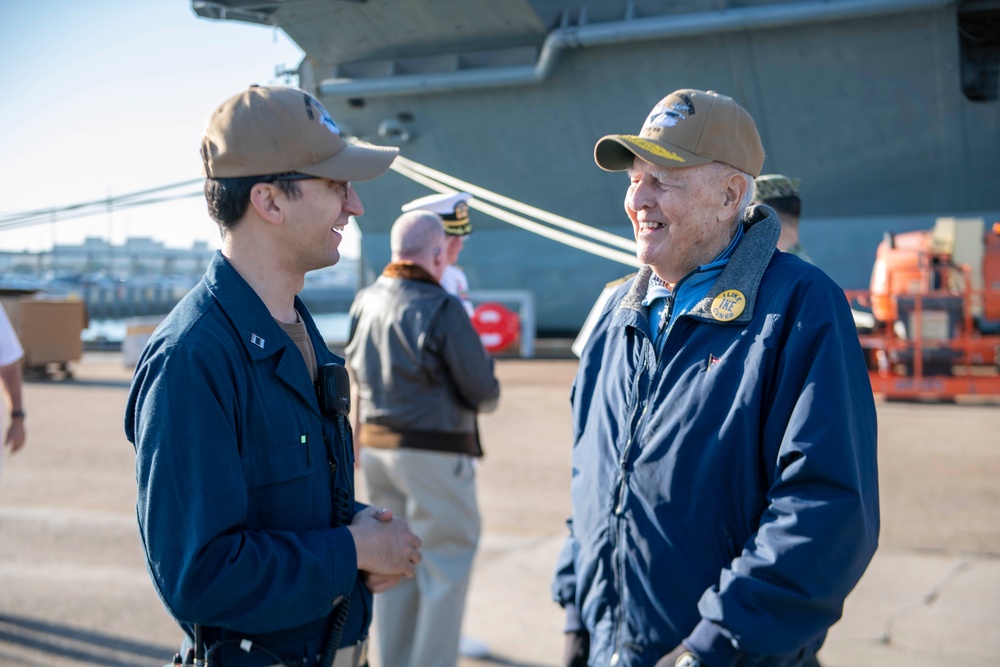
[(387, 549)]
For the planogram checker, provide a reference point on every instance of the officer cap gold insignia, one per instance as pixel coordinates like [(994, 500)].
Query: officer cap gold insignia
[(453, 209)]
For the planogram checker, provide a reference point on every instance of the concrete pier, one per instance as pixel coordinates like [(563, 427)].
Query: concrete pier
[(74, 591)]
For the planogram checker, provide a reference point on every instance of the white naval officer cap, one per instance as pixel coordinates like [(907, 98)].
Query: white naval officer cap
[(453, 209)]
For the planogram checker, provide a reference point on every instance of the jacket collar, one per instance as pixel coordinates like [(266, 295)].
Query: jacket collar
[(746, 267), (260, 334), (407, 270), (742, 273)]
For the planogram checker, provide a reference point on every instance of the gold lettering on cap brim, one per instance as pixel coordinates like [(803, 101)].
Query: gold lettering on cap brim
[(651, 147)]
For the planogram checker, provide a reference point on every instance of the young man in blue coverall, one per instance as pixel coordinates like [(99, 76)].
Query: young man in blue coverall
[(244, 460), (725, 496)]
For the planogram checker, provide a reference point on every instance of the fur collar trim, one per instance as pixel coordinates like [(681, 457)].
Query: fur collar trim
[(407, 270)]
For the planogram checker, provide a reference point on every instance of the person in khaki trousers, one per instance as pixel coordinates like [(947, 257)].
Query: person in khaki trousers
[(422, 376)]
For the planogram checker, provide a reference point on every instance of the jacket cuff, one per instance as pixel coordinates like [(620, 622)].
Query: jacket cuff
[(344, 555), (572, 623), (711, 645)]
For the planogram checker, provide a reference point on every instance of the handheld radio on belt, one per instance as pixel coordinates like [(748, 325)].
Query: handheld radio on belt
[(333, 391)]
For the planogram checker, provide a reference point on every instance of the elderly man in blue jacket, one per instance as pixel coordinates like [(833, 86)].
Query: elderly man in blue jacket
[(238, 410), (725, 496)]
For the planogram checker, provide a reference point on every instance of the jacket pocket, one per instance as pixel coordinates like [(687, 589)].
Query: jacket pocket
[(283, 488), (277, 465)]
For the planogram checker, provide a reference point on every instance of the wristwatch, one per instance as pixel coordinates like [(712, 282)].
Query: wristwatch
[(14, 414), (687, 659)]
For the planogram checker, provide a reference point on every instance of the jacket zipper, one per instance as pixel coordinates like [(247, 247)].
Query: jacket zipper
[(653, 369), (619, 558)]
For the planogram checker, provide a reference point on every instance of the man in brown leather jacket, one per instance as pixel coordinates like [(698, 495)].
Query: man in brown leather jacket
[(422, 376)]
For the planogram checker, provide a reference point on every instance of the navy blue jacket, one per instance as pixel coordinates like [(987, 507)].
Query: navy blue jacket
[(237, 472), (724, 490)]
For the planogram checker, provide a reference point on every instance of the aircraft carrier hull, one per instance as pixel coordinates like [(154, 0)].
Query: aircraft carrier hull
[(883, 133)]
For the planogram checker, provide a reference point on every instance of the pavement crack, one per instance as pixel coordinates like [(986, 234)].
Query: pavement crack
[(928, 600)]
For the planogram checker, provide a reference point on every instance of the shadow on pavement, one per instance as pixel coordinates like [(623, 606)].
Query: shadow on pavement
[(74, 383), (86, 647)]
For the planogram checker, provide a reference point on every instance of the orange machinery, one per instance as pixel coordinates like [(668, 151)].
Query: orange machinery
[(930, 324)]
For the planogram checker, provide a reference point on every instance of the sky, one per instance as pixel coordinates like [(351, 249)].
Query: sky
[(108, 97)]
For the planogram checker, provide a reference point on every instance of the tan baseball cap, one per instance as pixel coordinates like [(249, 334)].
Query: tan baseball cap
[(269, 130), (687, 128)]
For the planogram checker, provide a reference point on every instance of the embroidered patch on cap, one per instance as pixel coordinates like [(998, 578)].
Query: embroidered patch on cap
[(668, 116), (728, 305), (324, 115), (327, 120)]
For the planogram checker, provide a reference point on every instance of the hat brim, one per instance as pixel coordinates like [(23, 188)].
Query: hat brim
[(615, 152), (357, 162)]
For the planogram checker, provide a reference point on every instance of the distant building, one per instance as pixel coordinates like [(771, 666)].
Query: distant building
[(144, 277), (138, 256)]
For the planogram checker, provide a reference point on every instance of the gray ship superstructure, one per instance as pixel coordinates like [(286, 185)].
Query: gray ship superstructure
[(887, 110)]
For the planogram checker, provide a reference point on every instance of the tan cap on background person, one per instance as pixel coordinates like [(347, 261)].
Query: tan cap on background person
[(269, 130), (685, 129), (775, 186), (453, 209)]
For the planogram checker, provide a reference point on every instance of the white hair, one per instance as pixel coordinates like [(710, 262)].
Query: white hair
[(748, 193)]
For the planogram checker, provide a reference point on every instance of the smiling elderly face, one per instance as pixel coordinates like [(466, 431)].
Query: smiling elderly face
[(682, 217)]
